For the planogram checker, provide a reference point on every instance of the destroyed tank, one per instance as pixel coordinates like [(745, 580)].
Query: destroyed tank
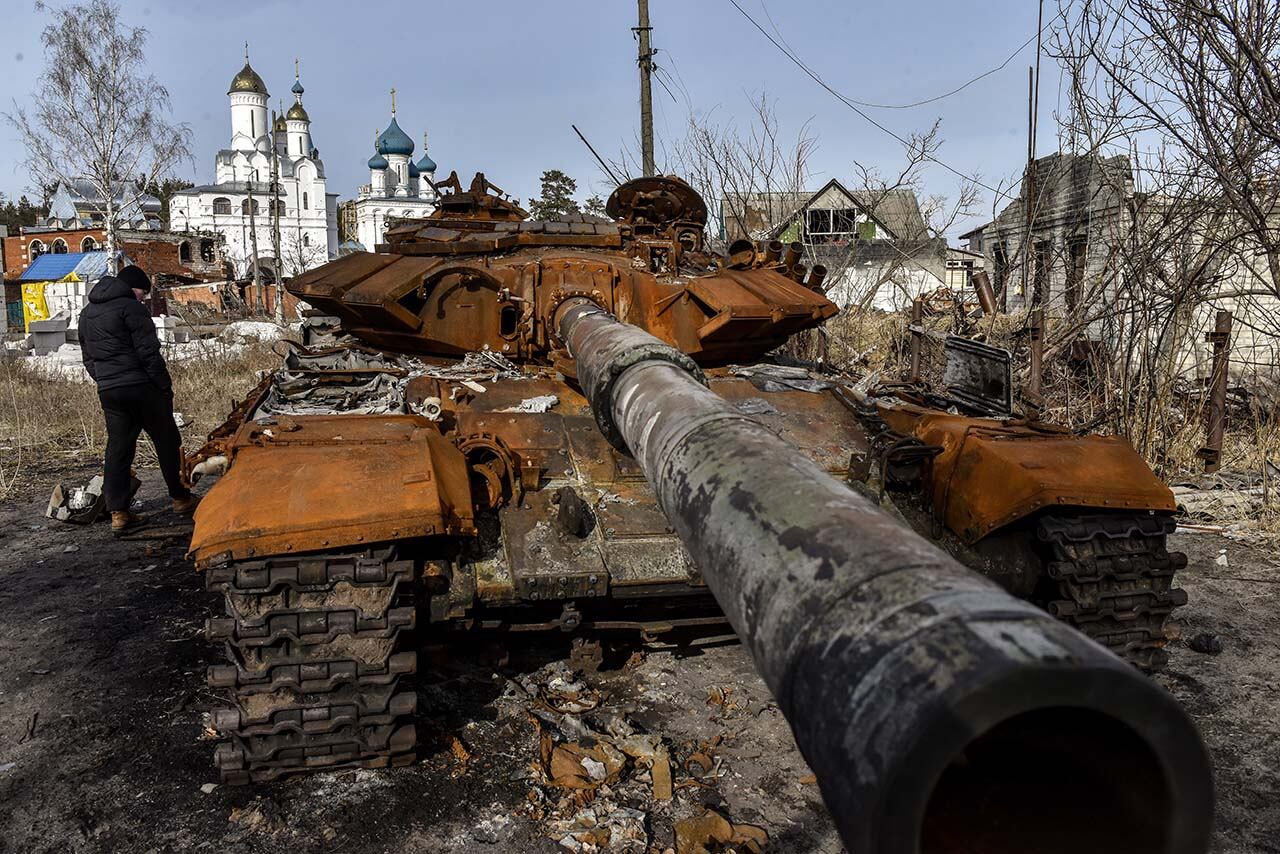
[(440, 468)]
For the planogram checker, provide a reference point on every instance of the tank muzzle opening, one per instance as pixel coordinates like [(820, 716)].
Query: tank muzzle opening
[(1051, 781)]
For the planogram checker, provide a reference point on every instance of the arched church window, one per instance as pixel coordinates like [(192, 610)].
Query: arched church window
[(184, 251), (306, 240), (280, 208), (88, 245), (222, 205), (59, 247), (305, 205), (35, 249), (244, 207)]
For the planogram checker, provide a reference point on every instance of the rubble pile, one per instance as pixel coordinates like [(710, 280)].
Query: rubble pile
[(600, 783)]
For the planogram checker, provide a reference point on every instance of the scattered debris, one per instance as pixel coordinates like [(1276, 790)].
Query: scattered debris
[(1206, 643), (711, 832), (602, 826), (756, 406), (7, 766), (541, 403), (208, 788), (66, 550), (1221, 559), (460, 754)]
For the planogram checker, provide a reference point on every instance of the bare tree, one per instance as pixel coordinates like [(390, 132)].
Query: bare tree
[(735, 170), (98, 116)]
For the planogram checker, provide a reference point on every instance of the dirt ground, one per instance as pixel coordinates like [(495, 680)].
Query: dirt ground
[(103, 743)]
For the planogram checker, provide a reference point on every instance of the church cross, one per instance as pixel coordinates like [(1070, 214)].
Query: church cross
[(393, 102)]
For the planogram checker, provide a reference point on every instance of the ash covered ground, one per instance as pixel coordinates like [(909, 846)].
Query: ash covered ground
[(104, 744)]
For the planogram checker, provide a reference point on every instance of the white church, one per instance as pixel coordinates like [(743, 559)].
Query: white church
[(398, 187), (239, 206)]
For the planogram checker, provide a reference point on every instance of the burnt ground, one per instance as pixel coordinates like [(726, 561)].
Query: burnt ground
[(104, 746)]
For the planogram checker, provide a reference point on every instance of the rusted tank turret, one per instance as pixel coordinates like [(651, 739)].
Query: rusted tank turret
[(522, 432)]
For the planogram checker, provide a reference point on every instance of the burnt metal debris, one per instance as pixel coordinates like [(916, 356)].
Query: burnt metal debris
[(575, 426)]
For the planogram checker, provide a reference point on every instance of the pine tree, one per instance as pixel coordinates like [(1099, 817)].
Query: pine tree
[(556, 201), (594, 206)]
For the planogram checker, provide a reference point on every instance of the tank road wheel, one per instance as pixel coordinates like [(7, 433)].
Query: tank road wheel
[(315, 679), (1111, 577)]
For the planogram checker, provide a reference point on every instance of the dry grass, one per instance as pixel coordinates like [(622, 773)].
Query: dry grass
[(44, 415), (866, 341)]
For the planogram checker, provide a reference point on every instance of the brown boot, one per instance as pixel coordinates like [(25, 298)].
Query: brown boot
[(123, 520), (186, 506)]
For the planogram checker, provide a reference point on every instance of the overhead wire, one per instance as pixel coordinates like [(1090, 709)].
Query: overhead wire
[(854, 105)]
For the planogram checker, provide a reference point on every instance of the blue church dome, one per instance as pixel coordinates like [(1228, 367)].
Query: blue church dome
[(413, 170), (297, 87), (377, 161), (394, 140), (426, 164)]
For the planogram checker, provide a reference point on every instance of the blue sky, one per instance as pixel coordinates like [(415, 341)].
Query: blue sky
[(498, 83)]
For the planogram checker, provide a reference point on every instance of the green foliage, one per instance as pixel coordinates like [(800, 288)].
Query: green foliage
[(594, 206), (16, 215), (164, 190), (556, 201)]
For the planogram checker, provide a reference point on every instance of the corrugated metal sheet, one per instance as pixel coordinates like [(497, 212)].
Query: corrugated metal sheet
[(49, 267)]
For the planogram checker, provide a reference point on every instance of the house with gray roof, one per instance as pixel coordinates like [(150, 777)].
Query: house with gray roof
[(875, 244)]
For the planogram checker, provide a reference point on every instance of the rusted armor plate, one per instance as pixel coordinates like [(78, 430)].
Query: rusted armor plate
[(323, 482), (992, 473)]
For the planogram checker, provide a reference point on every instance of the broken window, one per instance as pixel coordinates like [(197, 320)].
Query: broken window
[(184, 251), (1000, 271), (244, 207), (1043, 264), (35, 249), (831, 226), (1077, 252), (221, 205), (59, 247), (206, 250), (88, 245)]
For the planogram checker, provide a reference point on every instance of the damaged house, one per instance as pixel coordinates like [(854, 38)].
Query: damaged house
[(875, 244), (1118, 264)]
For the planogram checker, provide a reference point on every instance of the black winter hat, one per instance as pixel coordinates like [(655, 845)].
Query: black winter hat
[(134, 277)]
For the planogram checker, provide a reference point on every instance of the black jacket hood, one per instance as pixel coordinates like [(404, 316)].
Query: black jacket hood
[(109, 288)]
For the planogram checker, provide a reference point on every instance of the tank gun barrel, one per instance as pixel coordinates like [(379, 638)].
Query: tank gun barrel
[(938, 712)]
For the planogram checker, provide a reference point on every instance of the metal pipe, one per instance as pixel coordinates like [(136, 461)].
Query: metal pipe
[(816, 277), (794, 250), (937, 712), (986, 295), (917, 336), (798, 272), (1037, 353), (742, 253), (773, 252), (1216, 419)]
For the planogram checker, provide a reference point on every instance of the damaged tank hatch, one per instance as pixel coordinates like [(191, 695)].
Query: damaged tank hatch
[(458, 462)]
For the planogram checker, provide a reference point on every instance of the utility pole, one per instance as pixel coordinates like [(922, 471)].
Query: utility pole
[(253, 237), (275, 217), (643, 32)]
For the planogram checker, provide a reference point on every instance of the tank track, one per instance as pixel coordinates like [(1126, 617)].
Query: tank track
[(316, 680), (1111, 577)]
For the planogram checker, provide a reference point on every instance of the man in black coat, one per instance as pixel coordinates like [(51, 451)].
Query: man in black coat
[(122, 354)]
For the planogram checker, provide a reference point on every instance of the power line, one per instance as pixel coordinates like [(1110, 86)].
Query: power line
[(853, 106), (1037, 34)]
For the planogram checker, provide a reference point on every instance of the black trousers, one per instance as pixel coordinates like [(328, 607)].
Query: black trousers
[(129, 410)]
